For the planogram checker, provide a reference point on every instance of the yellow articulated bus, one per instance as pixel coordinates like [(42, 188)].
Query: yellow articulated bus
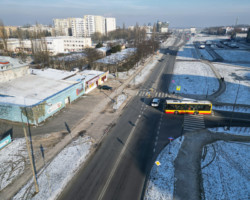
[(188, 106)]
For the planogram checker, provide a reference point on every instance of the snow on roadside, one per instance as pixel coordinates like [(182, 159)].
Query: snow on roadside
[(56, 175), (194, 78), (13, 161), (235, 77), (139, 78), (234, 55), (161, 179), (230, 108), (120, 99), (228, 171), (243, 131)]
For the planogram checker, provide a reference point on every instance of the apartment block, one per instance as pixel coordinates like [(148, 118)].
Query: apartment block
[(62, 27), (77, 27), (84, 27), (110, 24)]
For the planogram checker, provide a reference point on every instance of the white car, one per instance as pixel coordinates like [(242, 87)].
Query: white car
[(202, 46), (155, 102)]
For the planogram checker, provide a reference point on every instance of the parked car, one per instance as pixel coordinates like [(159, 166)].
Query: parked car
[(104, 87), (155, 102)]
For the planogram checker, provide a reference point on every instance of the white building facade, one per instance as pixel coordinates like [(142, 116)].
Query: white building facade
[(77, 27), (110, 24), (62, 26), (86, 26)]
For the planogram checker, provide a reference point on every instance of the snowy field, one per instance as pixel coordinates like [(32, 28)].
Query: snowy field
[(161, 179), (234, 55), (54, 177), (226, 166), (119, 101), (194, 78), (188, 51), (235, 78)]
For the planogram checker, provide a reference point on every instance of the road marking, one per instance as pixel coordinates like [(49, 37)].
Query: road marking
[(155, 143), (117, 162), (154, 150)]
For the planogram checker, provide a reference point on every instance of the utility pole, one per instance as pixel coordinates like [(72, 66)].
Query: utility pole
[(30, 157)]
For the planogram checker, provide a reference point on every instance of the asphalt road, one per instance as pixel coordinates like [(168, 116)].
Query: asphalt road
[(121, 163), (123, 160)]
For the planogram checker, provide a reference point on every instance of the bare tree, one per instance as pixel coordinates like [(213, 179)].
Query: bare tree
[(4, 36)]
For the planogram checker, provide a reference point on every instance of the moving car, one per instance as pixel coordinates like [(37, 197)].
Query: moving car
[(155, 102), (202, 46)]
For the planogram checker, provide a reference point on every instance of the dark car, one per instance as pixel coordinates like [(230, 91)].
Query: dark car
[(104, 87)]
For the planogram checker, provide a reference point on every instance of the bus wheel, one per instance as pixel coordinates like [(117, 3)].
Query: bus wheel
[(176, 112), (196, 113)]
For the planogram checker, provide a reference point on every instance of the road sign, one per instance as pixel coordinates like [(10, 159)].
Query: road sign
[(178, 88), (157, 163)]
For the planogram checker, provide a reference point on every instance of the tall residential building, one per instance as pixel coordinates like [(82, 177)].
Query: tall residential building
[(62, 27), (110, 24), (77, 27), (89, 24), (99, 24), (84, 27)]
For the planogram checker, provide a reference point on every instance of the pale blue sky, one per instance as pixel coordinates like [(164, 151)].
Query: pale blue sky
[(180, 13)]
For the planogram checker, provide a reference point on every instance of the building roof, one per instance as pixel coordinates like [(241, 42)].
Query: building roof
[(14, 62), (117, 57), (52, 73), (30, 89), (86, 75)]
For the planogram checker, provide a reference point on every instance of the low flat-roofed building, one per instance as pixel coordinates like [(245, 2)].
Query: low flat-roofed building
[(91, 78), (36, 97)]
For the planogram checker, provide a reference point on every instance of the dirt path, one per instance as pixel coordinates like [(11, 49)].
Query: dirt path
[(188, 183)]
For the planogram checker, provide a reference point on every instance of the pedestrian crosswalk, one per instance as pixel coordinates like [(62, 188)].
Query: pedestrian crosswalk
[(193, 122), (146, 93)]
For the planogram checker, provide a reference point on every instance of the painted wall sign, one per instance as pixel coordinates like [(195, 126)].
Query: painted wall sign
[(54, 107), (5, 141), (79, 90)]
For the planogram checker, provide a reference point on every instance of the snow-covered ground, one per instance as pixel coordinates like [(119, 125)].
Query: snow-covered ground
[(13, 161), (161, 179), (120, 99), (188, 51), (54, 177), (227, 176), (243, 131), (229, 171), (234, 55), (236, 78), (194, 78)]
